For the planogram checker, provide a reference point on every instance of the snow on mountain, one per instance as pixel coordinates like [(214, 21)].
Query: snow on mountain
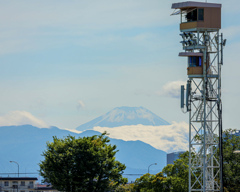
[(121, 116)]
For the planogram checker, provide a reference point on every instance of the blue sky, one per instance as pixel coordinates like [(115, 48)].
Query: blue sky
[(64, 63)]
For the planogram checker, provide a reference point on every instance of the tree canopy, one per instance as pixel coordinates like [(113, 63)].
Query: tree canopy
[(174, 177), (231, 161), (177, 174), (85, 164), (151, 183)]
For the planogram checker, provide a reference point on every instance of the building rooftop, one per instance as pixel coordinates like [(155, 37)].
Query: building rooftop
[(19, 178), (189, 4), (177, 152)]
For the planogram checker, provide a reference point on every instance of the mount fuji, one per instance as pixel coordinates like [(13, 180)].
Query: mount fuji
[(121, 116)]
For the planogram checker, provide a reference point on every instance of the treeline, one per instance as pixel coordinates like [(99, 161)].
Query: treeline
[(175, 177), (88, 164)]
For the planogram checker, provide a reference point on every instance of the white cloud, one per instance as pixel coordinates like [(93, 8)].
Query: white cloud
[(21, 118), (168, 138), (72, 130), (171, 89), (27, 22), (80, 104)]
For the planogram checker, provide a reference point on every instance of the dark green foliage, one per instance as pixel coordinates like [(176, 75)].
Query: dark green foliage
[(151, 183), (231, 161), (177, 174), (81, 164), (124, 188), (175, 177)]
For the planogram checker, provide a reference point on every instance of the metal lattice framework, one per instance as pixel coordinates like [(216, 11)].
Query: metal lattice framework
[(205, 113)]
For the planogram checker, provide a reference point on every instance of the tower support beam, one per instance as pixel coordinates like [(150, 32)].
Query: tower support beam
[(203, 47)]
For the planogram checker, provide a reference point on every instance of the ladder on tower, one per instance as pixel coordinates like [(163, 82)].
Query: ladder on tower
[(199, 116)]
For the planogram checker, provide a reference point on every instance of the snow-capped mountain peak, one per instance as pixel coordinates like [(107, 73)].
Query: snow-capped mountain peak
[(121, 116)]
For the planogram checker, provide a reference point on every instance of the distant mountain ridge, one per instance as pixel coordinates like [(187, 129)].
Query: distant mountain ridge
[(25, 144), (121, 116)]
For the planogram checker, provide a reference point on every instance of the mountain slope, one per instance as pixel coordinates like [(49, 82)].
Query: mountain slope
[(25, 144), (121, 116)]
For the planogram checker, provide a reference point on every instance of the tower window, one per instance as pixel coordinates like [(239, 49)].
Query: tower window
[(194, 61), (195, 14), (192, 15), (200, 14)]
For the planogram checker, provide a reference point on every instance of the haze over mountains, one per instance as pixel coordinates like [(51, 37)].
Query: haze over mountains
[(26, 143), (138, 123), (121, 116)]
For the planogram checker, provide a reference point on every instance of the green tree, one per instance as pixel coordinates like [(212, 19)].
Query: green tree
[(151, 183), (85, 164), (160, 183), (177, 174), (144, 183), (175, 177), (231, 161), (125, 188)]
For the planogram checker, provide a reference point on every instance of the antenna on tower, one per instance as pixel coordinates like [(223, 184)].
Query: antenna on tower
[(182, 96), (203, 48)]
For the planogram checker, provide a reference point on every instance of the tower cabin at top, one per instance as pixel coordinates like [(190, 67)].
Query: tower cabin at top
[(198, 16), (198, 21)]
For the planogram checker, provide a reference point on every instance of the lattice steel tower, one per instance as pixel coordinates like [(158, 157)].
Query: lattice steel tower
[(203, 46)]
